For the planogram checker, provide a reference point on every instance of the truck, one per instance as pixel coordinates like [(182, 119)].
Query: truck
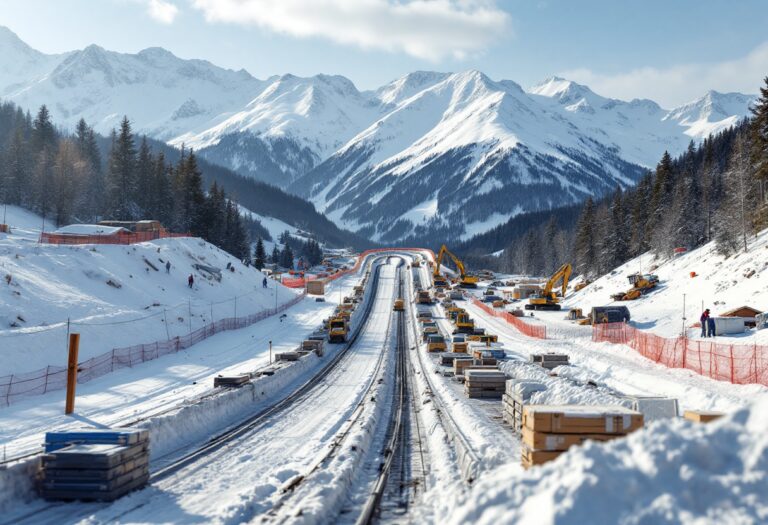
[(338, 330), (423, 297)]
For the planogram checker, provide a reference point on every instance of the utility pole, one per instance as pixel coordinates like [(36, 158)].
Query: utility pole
[(74, 346), (685, 333)]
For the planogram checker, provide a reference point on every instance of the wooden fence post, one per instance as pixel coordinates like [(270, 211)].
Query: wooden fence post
[(74, 347)]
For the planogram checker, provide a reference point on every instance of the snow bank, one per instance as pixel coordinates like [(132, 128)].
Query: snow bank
[(721, 284), (673, 471)]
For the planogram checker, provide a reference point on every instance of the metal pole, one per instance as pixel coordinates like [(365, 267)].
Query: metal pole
[(74, 346), (189, 305), (165, 318), (684, 331), (235, 307), (270, 352)]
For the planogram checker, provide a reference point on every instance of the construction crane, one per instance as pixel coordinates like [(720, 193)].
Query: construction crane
[(546, 299), (467, 281)]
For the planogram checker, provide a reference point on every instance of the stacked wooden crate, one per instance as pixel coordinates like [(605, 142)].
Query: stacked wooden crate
[(484, 383), (99, 464), (516, 396), (550, 360), (550, 430)]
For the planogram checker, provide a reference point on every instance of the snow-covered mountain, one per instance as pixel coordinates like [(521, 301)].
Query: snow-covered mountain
[(427, 153)]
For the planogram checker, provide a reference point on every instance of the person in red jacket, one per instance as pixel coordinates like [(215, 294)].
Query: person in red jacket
[(704, 322)]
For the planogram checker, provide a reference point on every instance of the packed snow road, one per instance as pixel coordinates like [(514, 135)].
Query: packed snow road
[(244, 479)]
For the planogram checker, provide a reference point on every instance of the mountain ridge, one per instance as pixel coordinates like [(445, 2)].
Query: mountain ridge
[(426, 152)]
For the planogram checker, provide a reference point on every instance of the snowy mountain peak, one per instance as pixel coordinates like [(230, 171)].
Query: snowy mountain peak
[(408, 85), (566, 91)]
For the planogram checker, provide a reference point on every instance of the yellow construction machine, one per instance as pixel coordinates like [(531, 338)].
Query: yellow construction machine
[(337, 331), (641, 284), (399, 305), (466, 281), (547, 299)]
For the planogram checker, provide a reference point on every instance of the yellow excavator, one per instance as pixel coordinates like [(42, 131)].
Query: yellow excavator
[(546, 299), (466, 281)]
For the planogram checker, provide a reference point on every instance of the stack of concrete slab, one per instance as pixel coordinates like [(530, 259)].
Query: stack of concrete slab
[(231, 381), (516, 395), (99, 464), (287, 356), (484, 383), (550, 430), (550, 360), (312, 345)]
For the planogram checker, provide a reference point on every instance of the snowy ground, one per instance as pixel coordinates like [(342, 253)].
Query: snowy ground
[(721, 284), (111, 294)]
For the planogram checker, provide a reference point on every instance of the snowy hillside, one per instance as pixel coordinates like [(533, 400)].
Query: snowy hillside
[(460, 147), (721, 284), (113, 295)]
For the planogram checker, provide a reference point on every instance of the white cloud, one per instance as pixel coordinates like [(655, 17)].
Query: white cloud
[(162, 11), (427, 29), (682, 83)]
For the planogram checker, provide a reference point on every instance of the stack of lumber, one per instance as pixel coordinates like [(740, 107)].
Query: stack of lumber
[(702, 416), (550, 430), (287, 356), (550, 360), (461, 365), (99, 464), (484, 383), (516, 395)]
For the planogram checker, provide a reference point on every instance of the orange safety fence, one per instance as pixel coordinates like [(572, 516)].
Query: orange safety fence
[(18, 386), (538, 331), (118, 238), (736, 363), (301, 282)]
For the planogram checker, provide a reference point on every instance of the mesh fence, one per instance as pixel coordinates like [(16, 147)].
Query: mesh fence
[(18, 386), (118, 238), (538, 331), (736, 363)]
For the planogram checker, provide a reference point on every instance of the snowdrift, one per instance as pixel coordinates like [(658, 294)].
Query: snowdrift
[(673, 471)]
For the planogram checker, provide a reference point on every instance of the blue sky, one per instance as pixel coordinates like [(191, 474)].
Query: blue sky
[(671, 51)]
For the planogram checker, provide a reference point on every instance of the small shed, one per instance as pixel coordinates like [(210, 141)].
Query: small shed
[(745, 312)]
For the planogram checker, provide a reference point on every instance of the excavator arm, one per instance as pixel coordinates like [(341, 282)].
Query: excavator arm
[(563, 273), (465, 280)]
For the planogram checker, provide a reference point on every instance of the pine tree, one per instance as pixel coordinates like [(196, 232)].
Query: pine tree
[(92, 194), (584, 247), (43, 132), (759, 155), (286, 258), (617, 235), (145, 171), (121, 177), (17, 169), (732, 225), (275, 257), (640, 199), (661, 198), (259, 255), (686, 205)]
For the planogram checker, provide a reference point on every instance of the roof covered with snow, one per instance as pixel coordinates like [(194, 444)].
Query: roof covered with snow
[(90, 229)]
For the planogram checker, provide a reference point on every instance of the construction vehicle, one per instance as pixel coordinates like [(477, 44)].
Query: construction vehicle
[(484, 338), (337, 331), (436, 343), (416, 262), (547, 299), (574, 314), (641, 284), (399, 305), (581, 285), (465, 281), (464, 324), (608, 314), (424, 297), (429, 330)]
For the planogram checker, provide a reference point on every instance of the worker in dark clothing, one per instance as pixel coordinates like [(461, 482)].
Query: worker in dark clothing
[(704, 322), (264, 283), (191, 280), (711, 326), (168, 267)]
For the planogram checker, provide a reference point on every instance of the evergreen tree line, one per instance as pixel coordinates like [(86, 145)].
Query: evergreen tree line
[(64, 178), (716, 191), (309, 251)]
